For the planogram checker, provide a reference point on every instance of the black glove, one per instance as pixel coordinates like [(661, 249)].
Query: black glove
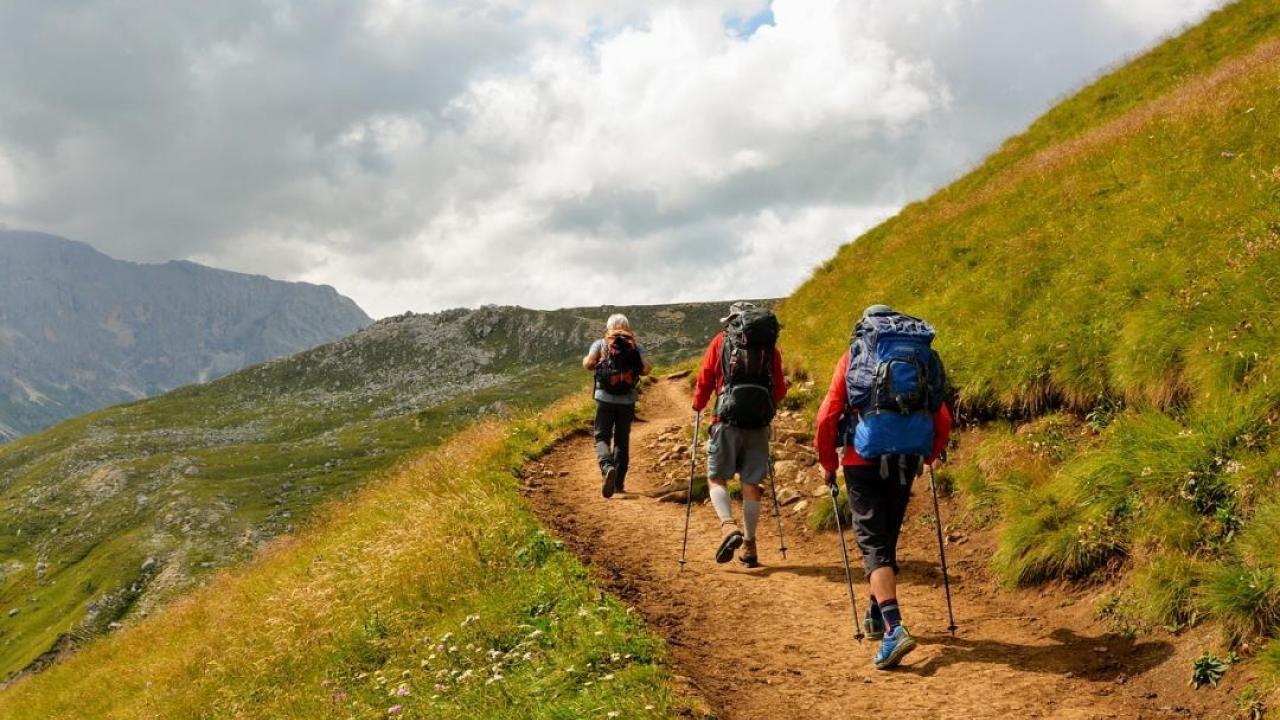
[(832, 487)]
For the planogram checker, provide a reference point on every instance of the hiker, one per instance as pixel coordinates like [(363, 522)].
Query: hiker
[(743, 367), (618, 362), (884, 417)]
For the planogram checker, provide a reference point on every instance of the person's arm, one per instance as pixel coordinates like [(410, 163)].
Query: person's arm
[(825, 438), (779, 378), (941, 431), (709, 374), (593, 356)]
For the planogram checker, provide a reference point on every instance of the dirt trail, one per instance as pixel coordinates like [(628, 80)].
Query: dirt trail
[(776, 642)]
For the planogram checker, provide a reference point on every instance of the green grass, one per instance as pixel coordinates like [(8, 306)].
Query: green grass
[(433, 589), (1107, 296), (202, 477)]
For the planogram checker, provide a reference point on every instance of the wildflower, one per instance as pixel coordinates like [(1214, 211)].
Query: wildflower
[(470, 619), (614, 714), (395, 709), (494, 679), (403, 690)]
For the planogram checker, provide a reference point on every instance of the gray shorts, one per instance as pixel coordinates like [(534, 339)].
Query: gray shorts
[(738, 451)]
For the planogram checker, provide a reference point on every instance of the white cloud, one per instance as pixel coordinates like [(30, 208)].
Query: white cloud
[(1153, 18), (423, 154)]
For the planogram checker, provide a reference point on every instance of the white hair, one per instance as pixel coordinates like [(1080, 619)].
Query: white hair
[(617, 321)]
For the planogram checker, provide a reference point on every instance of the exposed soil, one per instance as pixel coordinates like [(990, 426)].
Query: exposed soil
[(777, 641)]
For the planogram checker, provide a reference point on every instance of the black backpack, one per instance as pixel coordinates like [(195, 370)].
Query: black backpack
[(746, 399), (620, 365)]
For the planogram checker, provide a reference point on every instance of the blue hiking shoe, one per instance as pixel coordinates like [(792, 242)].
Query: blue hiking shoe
[(873, 627), (894, 647)]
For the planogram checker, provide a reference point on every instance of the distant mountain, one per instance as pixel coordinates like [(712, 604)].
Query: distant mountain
[(80, 330)]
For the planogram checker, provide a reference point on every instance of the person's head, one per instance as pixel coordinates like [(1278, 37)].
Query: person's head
[(617, 322), (873, 310), (735, 310)]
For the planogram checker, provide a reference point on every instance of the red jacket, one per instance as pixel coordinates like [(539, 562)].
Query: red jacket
[(833, 407), (711, 376)]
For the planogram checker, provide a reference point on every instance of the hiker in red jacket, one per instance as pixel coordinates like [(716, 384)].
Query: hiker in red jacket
[(743, 367), (880, 488)]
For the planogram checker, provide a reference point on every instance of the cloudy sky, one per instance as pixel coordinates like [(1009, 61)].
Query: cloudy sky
[(422, 154)]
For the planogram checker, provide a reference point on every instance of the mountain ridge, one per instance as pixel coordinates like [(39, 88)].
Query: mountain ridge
[(81, 330)]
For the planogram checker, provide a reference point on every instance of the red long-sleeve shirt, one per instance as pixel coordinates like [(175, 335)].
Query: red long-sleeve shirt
[(833, 407), (711, 376)]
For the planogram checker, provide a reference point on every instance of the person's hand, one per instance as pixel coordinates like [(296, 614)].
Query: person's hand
[(830, 478)]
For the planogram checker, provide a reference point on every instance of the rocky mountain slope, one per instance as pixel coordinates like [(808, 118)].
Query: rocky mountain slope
[(80, 330), (109, 514)]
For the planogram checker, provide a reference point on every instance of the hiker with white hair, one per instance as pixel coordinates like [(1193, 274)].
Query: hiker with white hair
[(618, 362)]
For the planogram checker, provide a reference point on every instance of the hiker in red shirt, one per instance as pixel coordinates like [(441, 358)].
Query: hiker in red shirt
[(743, 367), (883, 436)]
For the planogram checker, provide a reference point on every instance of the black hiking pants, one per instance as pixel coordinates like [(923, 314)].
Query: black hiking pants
[(613, 437), (879, 506)]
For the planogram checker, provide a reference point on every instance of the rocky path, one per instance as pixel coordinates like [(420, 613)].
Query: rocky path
[(776, 642)]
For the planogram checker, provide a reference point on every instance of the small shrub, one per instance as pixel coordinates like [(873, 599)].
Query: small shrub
[(1208, 669), (822, 517), (1250, 705)]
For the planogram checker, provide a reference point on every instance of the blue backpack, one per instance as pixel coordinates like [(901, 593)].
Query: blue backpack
[(895, 384)]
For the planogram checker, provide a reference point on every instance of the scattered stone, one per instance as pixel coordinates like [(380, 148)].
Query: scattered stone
[(787, 496), (191, 471), (13, 611)]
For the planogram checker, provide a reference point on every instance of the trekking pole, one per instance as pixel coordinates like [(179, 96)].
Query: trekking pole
[(848, 574), (688, 500), (777, 509), (942, 553)]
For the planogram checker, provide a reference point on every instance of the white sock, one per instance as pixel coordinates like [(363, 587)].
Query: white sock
[(750, 517), (720, 501)]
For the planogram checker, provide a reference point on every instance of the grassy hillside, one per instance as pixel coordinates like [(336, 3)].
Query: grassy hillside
[(431, 593), (1107, 291), (109, 515)]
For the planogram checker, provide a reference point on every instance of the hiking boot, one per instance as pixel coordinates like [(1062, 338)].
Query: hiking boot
[(873, 627), (894, 647), (730, 543), (749, 557), (610, 481)]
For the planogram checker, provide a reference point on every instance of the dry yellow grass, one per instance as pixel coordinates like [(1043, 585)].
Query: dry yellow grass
[(334, 621)]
